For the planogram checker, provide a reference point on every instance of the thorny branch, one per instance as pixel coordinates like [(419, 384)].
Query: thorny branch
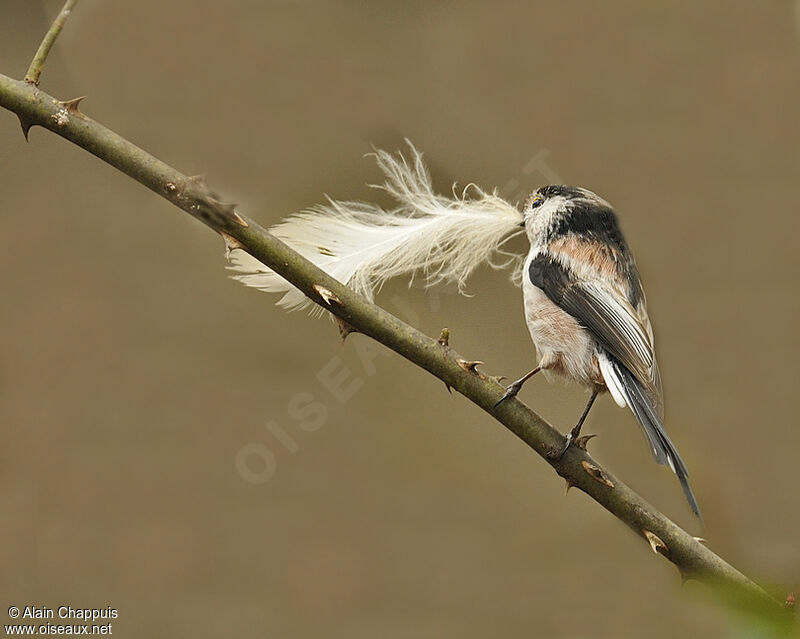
[(691, 557)]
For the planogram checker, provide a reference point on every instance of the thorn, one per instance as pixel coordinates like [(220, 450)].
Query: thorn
[(700, 540), (449, 389), (231, 244), (497, 379), (469, 366), (73, 105), (582, 441), (444, 337), (240, 220), (26, 126), (596, 473), (326, 294), (569, 485), (658, 546), (345, 328)]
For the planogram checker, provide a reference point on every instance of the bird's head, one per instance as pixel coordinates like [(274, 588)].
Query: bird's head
[(548, 204)]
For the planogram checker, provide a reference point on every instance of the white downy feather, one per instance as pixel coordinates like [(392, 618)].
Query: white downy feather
[(362, 245)]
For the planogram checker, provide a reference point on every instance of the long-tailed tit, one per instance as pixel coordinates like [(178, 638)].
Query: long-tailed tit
[(584, 302), (586, 312)]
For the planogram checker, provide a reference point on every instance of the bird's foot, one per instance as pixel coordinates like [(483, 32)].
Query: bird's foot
[(572, 440), (511, 391), (572, 436), (558, 454)]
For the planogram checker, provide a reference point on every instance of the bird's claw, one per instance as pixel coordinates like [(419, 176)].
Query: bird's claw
[(556, 455), (571, 440), (511, 391)]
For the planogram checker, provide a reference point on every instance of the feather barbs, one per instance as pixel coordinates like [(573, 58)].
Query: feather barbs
[(363, 245)]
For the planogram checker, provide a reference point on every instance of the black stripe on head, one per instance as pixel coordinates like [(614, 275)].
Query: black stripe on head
[(563, 190)]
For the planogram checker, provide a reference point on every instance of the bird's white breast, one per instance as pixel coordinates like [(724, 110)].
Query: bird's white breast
[(562, 344)]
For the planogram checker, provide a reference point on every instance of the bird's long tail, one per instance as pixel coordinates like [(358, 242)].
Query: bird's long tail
[(362, 245), (623, 384)]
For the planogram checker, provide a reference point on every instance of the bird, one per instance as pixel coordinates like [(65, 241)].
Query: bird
[(584, 303), (586, 312)]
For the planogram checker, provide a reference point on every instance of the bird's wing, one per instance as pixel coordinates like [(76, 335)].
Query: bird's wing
[(602, 302), (601, 305)]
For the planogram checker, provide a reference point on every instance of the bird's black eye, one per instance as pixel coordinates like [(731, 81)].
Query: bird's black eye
[(537, 201)]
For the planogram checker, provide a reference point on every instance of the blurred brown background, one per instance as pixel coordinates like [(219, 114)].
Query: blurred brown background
[(141, 390)]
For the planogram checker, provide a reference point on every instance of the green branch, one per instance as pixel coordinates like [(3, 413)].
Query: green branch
[(37, 64), (688, 554)]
